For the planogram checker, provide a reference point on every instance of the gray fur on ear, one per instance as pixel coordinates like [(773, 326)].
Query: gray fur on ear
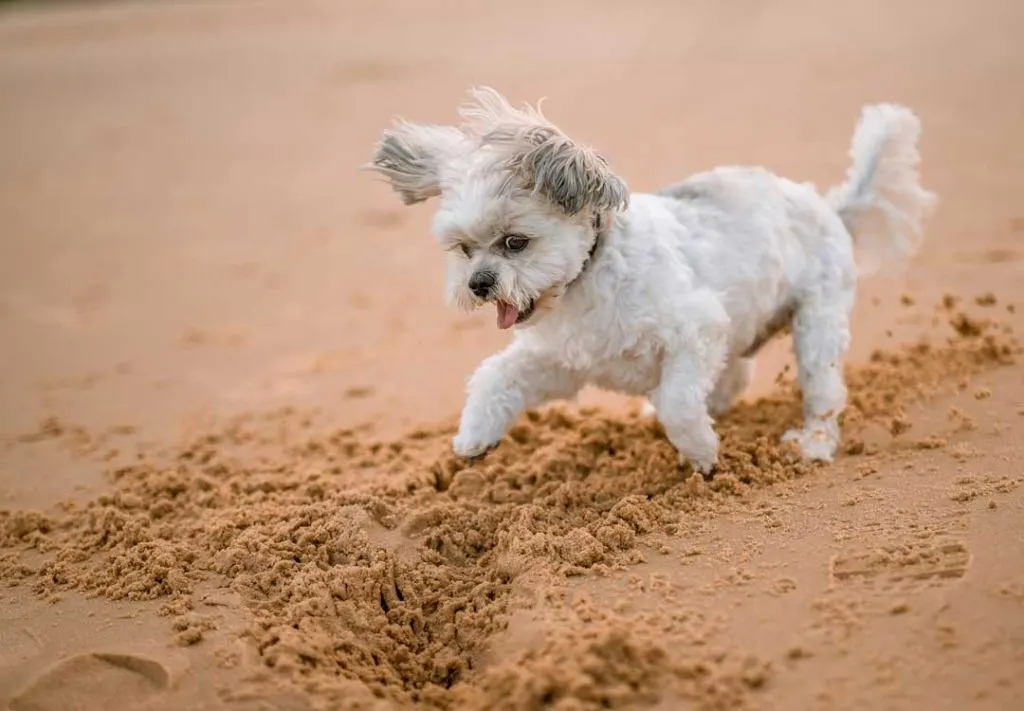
[(411, 156), (571, 176), (542, 158)]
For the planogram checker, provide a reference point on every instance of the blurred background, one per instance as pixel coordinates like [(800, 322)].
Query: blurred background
[(183, 227)]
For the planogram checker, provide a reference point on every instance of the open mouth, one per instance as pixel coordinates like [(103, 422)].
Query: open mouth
[(509, 315)]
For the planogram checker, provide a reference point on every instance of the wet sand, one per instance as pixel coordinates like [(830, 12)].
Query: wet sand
[(230, 381)]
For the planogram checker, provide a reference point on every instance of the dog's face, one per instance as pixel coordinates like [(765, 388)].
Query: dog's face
[(518, 202)]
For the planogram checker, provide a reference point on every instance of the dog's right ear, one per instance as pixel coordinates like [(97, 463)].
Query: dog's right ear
[(411, 156)]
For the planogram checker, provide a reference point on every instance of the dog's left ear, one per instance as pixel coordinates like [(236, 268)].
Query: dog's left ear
[(542, 158), (411, 157), (571, 176)]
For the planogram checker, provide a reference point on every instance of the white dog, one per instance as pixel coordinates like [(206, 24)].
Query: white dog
[(667, 295)]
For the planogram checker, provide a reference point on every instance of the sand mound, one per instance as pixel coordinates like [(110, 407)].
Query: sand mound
[(95, 680), (375, 573)]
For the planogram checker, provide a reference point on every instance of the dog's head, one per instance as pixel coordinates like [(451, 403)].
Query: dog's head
[(519, 201)]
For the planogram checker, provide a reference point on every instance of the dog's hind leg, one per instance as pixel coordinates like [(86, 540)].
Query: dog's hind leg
[(821, 337)]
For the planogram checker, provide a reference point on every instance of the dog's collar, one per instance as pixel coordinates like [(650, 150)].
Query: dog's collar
[(593, 250)]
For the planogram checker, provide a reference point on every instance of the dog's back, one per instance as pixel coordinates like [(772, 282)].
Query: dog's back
[(755, 239)]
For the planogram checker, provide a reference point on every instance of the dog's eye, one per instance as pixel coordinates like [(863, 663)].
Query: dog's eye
[(466, 250), (516, 243)]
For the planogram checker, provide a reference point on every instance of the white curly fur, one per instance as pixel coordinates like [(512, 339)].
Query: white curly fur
[(881, 202), (684, 285)]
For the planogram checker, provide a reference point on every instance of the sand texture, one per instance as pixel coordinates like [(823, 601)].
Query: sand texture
[(231, 384)]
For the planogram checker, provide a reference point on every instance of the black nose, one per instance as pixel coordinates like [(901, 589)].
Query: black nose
[(480, 284)]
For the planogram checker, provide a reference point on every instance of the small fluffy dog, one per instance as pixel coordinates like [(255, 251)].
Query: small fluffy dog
[(667, 295)]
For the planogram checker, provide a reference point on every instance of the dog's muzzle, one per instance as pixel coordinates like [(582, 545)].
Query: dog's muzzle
[(481, 284)]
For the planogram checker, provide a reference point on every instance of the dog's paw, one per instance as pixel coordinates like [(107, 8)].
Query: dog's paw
[(697, 446), (816, 444), (705, 466), (648, 411), (471, 449)]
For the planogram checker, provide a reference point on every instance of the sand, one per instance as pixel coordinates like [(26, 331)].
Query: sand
[(225, 476)]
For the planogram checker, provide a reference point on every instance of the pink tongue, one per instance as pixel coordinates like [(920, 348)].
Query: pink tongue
[(507, 314)]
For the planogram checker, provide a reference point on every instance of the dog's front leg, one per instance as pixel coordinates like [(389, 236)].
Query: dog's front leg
[(503, 387), (681, 402)]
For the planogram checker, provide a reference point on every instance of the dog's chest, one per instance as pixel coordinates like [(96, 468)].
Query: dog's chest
[(633, 373), (610, 343), (612, 358)]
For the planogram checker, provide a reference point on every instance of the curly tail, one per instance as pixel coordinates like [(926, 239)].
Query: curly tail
[(882, 202)]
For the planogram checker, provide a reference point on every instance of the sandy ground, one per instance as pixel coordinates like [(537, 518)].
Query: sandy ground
[(229, 380)]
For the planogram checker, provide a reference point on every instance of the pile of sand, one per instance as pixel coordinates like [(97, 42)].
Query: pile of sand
[(374, 574)]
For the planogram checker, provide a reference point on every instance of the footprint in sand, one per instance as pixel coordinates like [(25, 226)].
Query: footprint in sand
[(94, 682), (910, 563)]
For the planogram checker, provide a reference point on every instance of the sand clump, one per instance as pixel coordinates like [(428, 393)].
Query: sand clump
[(612, 664), (374, 574)]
